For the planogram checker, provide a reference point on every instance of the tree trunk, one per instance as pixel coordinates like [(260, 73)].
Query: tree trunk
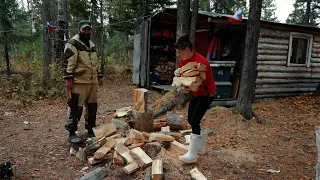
[(46, 45), (62, 35), (6, 53), (183, 15), (102, 38), (195, 8), (248, 74), (307, 16)]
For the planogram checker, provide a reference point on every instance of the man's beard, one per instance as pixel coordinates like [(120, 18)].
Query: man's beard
[(84, 37)]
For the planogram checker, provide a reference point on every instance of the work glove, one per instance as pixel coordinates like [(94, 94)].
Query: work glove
[(177, 73), (69, 84)]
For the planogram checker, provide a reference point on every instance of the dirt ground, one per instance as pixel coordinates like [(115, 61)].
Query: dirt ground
[(281, 138)]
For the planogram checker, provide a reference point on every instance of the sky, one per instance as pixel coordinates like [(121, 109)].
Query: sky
[(284, 8)]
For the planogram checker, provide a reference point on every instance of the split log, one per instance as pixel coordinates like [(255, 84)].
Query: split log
[(185, 81), (202, 75), (157, 169), (110, 143), (176, 136), (165, 129), (137, 136), (128, 141), (184, 132), (140, 100), (146, 136), (152, 149), (136, 145), (159, 125), (143, 121), (141, 157), (117, 159), (160, 137), (101, 152), (120, 140), (174, 121), (81, 155), (93, 161), (197, 175), (178, 147), (93, 147), (192, 66), (190, 73), (97, 174), (124, 152), (104, 130), (147, 174), (131, 168), (160, 120), (72, 151)]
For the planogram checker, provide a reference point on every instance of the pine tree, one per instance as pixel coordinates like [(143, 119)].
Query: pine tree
[(306, 12), (268, 11)]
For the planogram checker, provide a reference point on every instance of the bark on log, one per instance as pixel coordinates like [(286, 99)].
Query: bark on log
[(143, 121), (174, 121), (152, 149)]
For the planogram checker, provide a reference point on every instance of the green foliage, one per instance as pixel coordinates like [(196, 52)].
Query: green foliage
[(299, 15), (268, 11)]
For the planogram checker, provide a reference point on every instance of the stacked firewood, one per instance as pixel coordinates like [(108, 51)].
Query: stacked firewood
[(191, 76)]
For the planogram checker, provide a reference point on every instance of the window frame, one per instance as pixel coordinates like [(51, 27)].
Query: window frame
[(309, 37)]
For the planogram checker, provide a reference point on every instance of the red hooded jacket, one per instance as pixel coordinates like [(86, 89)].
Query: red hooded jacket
[(208, 86)]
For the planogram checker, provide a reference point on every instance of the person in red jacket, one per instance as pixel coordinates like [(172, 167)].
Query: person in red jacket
[(200, 101)]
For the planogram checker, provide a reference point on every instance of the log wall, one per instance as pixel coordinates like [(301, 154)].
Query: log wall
[(275, 78)]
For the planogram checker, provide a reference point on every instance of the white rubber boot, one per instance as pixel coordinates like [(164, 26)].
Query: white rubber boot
[(192, 155), (202, 148)]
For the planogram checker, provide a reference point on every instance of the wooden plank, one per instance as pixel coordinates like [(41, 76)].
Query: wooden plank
[(140, 100), (271, 68), (272, 57), (287, 75), (285, 81), (104, 130), (315, 60), (101, 152), (315, 55), (314, 50), (141, 157), (293, 85), (277, 95), (316, 38), (197, 175), (180, 148), (272, 52), (272, 46), (315, 45), (97, 174), (117, 159), (131, 168), (165, 129), (124, 152), (187, 137), (135, 145), (272, 63), (157, 169), (273, 41), (160, 137)]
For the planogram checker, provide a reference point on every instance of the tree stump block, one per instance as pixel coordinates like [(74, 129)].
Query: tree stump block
[(143, 121)]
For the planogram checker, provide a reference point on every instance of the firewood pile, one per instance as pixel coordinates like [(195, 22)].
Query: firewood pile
[(191, 76), (133, 149)]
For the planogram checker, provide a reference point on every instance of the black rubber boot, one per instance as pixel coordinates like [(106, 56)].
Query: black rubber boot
[(91, 121)]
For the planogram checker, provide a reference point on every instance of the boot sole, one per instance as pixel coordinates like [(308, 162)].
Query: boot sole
[(188, 162)]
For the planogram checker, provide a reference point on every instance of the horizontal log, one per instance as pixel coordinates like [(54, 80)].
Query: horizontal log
[(272, 52), (273, 41), (316, 38), (271, 63), (287, 75), (315, 55), (274, 33), (295, 85), (315, 65), (315, 45), (315, 60), (286, 69), (272, 46), (279, 81), (272, 57), (282, 90), (261, 96), (314, 50)]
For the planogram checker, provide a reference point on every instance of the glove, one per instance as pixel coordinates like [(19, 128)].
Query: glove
[(177, 73), (69, 83)]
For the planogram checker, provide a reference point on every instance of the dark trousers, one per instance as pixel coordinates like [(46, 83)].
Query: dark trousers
[(197, 108)]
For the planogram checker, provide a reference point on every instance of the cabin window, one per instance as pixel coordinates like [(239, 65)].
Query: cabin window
[(300, 49)]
